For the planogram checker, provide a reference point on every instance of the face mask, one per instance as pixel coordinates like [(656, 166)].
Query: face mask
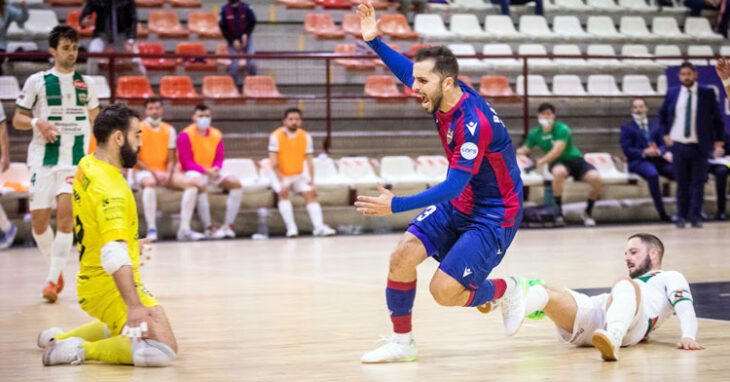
[(544, 122), (154, 121), (202, 122), (638, 117), (129, 155)]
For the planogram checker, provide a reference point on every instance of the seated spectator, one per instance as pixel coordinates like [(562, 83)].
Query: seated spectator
[(720, 172), (237, 22), (555, 141), (643, 145), (17, 12), (504, 5), (201, 154)]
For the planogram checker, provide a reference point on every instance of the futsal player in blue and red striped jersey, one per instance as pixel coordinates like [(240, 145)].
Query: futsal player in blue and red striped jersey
[(470, 219)]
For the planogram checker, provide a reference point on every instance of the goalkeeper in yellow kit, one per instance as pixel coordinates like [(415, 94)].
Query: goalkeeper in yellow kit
[(130, 326)]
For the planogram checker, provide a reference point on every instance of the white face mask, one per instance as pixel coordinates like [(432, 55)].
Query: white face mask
[(202, 122), (638, 117), (154, 121), (544, 122)]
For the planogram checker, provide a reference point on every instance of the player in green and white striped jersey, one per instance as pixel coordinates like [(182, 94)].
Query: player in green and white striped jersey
[(59, 105)]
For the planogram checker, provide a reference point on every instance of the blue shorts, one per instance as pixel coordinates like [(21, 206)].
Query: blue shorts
[(467, 249)]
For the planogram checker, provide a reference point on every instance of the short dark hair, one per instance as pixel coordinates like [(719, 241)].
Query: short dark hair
[(201, 107), (292, 110), (150, 100), (651, 241), (62, 31), (688, 64), (445, 63), (545, 106), (642, 99), (112, 117)]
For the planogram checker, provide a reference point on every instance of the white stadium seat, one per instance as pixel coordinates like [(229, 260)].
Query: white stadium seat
[(431, 27), (245, 170), (668, 51), (102, 87), (536, 27), (501, 28), (472, 5), (570, 6), (536, 85), (400, 172), (433, 168), (568, 84), (500, 64), (537, 63), (661, 84), (326, 175), (467, 64), (9, 88), (610, 174), (636, 6), (603, 50), (699, 50), (638, 51), (25, 46), (569, 63), (569, 28), (39, 25), (358, 171), (637, 85), (605, 5), (699, 27), (603, 85), (634, 28), (528, 179), (667, 28), (467, 27), (602, 27)]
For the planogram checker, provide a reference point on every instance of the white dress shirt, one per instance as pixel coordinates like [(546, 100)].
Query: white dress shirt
[(677, 131)]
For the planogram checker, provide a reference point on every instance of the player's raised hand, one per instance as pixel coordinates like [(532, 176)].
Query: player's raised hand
[(723, 68), (368, 23), (375, 206), (48, 130), (689, 344)]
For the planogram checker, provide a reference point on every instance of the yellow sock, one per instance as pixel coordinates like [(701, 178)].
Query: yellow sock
[(117, 349), (92, 331)]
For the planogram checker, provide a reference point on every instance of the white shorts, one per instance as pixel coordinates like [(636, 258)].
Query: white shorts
[(591, 316), (297, 183), (46, 183), (211, 182)]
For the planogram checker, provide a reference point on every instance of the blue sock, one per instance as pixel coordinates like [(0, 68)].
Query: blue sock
[(491, 289), (399, 297)]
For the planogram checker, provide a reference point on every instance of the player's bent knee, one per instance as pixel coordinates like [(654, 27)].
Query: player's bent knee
[(151, 353), (408, 253), (445, 292)]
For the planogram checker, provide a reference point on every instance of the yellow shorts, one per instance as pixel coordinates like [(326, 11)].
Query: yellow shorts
[(100, 298)]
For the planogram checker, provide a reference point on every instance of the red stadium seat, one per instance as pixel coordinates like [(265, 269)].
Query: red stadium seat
[(321, 25), (263, 88), (351, 24), (204, 24), (297, 4), (496, 86), (72, 19), (334, 4), (222, 48), (396, 26), (149, 3), (134, 88), (416, 47), (166, 25), (353, 64), (179, 89), (222, 90), (185, 3), (195, 60), (155, 64), (66, 3), (384, 89)]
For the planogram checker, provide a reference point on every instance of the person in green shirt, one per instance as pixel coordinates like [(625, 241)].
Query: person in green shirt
[(563, 158)]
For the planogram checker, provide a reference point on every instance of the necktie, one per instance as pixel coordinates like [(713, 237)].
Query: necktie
[(688, 116), (113, 37), (645, 128)]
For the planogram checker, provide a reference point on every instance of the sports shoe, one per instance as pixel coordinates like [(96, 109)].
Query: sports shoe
[(513, 305), (392, 351), (189, 235), (325, 230), (212, 233), (7, 237), (292, 233), (61, 352), (228, 231), (152, 234), (218, 233), (538, 314), (50, 291), (608, 343), (45, 337), (588, 220)]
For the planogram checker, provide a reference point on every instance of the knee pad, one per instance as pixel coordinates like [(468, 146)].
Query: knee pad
[(151, 353)]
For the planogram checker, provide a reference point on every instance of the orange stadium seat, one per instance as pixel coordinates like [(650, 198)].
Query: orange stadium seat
[(263, 88), (351, 24), (221, 89), (353, 64), (384, 89), (134, 88), (334, 4), (142, 32), (204, 24), (149, 3), (72, 19), (185, 3), (179, 89), (416, 47), (195, 60), (297, 4), (66, 3), (377, 4), (466, 80), (396, 26), (222, 48), (166, 25), (322, 26), (495, 86), (158, 63)]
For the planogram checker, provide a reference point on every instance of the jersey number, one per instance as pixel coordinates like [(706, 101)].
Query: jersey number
[(79, 230), (426, 213)]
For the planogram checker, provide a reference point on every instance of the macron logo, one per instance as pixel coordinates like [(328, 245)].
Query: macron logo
[(472, 126), (467, 272)]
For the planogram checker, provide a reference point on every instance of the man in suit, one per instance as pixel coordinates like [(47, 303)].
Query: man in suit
[(644, 148), (693, 129)]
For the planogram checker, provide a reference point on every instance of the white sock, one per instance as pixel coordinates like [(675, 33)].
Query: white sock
[(287, 214), (623, 308), (4, 222), (44, 242), (402, 338), (315, 213), (536, 299), (204, 209), (187, 207), (60, 252), (149, 203), (233, 203)]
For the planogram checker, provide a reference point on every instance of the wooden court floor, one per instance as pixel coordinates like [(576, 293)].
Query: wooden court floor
[(306, 309)]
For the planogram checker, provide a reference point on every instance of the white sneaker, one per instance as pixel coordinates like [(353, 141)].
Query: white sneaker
[(588, 220), (228, 231), (218, 234), (151, 234), (325, 230), (392, 351), (513, 305), (45, 337), (61, 352), (608, 343), (292, 233), (189, 235)]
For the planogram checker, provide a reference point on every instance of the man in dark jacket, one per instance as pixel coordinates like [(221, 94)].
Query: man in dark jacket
[(237, 22), (116, 25)]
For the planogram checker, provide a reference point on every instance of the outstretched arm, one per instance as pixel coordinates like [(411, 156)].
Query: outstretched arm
[(399, 64)]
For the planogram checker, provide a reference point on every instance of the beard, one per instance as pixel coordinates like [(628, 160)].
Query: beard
[(435, 102), (128, 155), (645, 267), (688, 83), (292, 128)]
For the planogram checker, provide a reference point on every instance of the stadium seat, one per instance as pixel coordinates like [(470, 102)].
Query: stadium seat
[(699, 28), (567, 85), (358, 172), (610, 174), (377, 4), (667, 28), (605, 5), (602, 27), (467, 27), (431, 27), (569, 64), (263, 89), (638, 51), (383, 89), (15, 182), (634, 28), (334, 4), (22, 46), (72, 19), (661, 84), (528, 179), (245, 170), (637, 85), (326, 175), (501, 28), (322, 26), (433, 168), (179, 89), (668, 51), (724, 50), (9, 88), (471, 5), (396, 27), (571, 6), (699, 50), (400, 173), (223, 63), (415, 47), (204, 24), (39, 25), (149, 3), (467, 64), (134, 88), (495, 86), (102, 87), (157, 63), (569, 28), (636, 6), (351, 24), (536, 85), (603, 85), (195, 57), (535, 27), (466, 80), (185, 3), (603, 63), (297, 4), (221, 89), (166, 25), (353, 64), (65, 3), (500, 64), (537, 63)]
